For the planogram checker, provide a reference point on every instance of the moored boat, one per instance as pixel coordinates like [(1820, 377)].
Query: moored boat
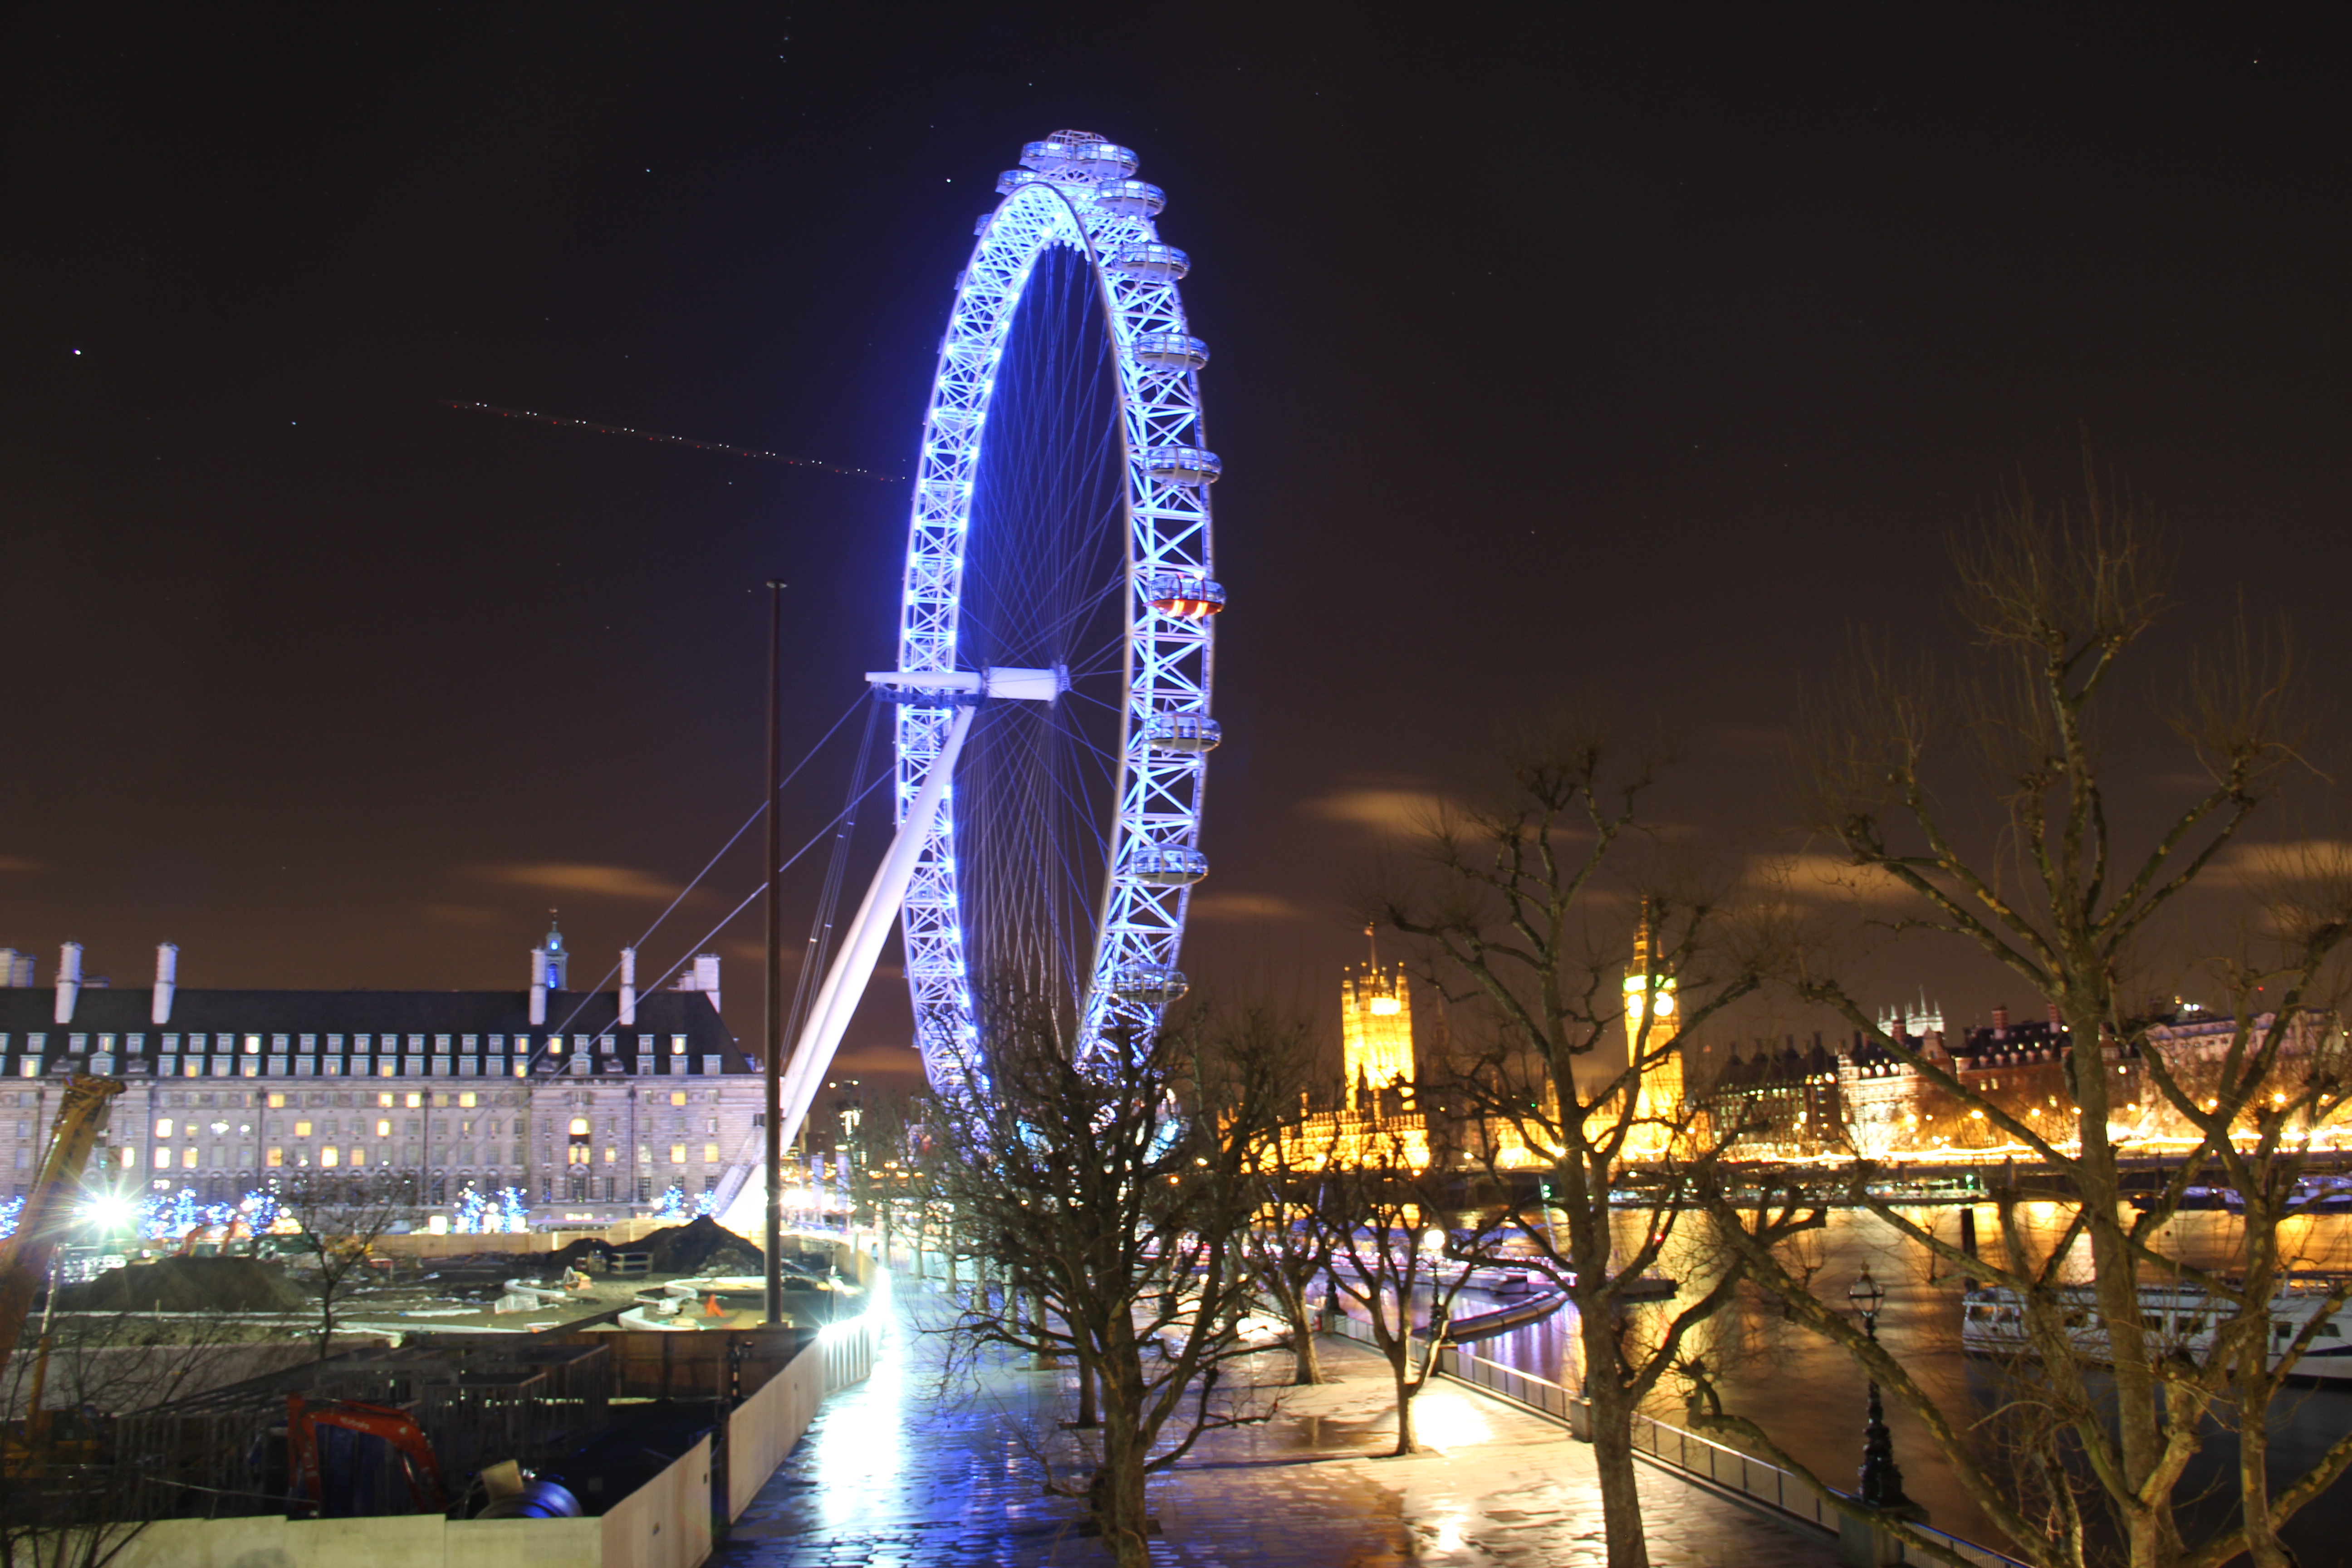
[(2176, 1317)]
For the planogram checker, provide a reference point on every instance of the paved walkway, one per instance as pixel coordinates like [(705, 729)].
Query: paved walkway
[(911, 1468)]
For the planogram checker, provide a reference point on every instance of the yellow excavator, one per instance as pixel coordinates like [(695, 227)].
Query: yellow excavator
[(25, 1257)]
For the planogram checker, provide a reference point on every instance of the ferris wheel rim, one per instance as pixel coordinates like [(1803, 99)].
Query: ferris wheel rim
[(1166, 660)]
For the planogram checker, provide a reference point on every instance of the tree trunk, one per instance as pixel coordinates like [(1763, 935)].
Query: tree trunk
[(2152, 1538), (1405, 1443), (1612, 1456), (1116, 1497), (1306, 1359), (1613, 1432), (1088, 1417)]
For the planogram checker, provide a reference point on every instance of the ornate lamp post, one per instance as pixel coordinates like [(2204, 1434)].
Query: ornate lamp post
[(1882, 1480)]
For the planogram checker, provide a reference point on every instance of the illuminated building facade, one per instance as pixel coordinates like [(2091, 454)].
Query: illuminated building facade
[(1780, 1104), (1650, 1030), (1374, 1116), (593, 1104), (1376, 1025)]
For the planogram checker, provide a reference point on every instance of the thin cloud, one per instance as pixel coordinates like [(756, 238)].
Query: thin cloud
[(572, 876), (1391, 812), (2293, 860), (1827, 879), (18, 863), (1242, 907)]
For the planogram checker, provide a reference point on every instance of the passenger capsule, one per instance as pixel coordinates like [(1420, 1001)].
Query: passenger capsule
[(1182, 733), (1170, 351), (1182, 466), (1079, 152), (1013, 180), (1167, 865), (1185, 596), (1151, 985), (1149, 261), (1131, 199)]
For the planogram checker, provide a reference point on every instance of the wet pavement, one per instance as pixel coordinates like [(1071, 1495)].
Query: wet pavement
[(920, 1465)]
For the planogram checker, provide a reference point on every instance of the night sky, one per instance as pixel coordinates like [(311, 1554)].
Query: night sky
[(1633, 360)]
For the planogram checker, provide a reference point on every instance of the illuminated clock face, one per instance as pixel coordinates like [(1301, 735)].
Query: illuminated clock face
[(1661, 1000)]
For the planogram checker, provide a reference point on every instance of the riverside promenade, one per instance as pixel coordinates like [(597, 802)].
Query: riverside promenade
[(915, 1468)]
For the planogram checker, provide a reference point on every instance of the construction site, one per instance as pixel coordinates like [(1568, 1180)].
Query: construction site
[(614, 1397)]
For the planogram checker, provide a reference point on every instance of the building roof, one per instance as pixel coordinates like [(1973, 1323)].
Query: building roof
[(467, 1021)]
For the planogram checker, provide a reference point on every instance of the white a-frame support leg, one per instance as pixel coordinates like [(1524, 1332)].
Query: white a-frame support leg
[(845, 988)]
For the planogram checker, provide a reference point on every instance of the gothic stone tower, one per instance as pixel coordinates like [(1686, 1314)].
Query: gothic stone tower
[(1650, 1027), (1375, 1026)]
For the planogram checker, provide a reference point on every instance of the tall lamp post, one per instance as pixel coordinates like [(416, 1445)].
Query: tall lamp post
[(1881, 1480)]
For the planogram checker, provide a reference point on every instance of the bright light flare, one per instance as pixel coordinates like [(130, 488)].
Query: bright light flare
[(111, 1211)]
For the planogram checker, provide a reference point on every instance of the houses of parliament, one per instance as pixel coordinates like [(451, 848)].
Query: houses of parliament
[(1858, 1097), (1377, 1113)]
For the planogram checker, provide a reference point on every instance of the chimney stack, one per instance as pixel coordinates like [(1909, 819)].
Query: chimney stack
[(538, 986), (628, 987), (167, 980), (706, 975), (2000, 1022), (68, 980), (2057, 1021)]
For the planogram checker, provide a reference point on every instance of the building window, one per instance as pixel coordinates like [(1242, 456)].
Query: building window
[(162, 1127), (383, 1126), (678, 1097), (580, 1127), (189, 1157), (275, 1159), (711, 1154), (677, 1045), (163, 1159), (678, 1153), (327, 1157)]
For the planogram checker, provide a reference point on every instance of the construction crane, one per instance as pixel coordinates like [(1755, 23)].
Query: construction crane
[(25, 1263)]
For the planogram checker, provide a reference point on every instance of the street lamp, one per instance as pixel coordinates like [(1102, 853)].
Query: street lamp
[(1882, 1480)]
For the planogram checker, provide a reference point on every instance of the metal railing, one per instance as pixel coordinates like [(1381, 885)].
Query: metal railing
[(1719, 1464)]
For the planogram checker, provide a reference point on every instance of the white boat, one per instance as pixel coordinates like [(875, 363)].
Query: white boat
[(2175, 1317)]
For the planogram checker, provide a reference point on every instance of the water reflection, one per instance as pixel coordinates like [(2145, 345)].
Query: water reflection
[(1809, 1397)]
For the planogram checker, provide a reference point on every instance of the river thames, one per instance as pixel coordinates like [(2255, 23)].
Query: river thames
[(1811, 1397)]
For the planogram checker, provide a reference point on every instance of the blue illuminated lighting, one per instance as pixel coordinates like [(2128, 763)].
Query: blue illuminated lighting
[(1078, 192)]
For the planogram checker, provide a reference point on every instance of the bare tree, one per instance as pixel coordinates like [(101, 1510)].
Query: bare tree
[(1108, 1186), (1288, 1246), (74, 1498), (1984, 799), (881, 1164), (1516, 924), (1385, 1212), (343, 1214)]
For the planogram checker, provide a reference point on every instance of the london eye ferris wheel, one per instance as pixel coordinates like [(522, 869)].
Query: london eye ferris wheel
[(1055, 632)]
